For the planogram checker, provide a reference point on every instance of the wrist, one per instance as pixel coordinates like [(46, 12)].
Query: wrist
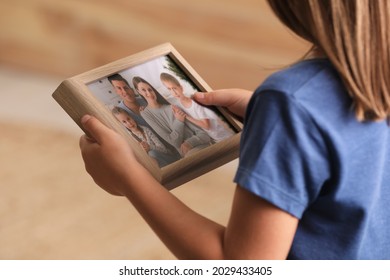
[(136, 178)]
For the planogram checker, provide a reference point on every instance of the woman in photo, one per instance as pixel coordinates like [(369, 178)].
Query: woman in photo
[(169, 121)]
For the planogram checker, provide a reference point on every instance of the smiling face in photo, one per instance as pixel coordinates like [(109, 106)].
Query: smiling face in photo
[(123, 90), (176, 90), (126, 120), (146, 91)]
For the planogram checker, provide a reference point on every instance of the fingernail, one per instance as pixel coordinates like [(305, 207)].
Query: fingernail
[(85, 118), (199, 95)]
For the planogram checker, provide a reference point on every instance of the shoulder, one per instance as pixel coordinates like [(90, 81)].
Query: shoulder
[(145, 110), (313, 86), (146, 129), (122, 105), (300, 75), (196, 107)]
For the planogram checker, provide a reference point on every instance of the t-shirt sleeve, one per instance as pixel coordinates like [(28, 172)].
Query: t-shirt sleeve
[(283, 155)]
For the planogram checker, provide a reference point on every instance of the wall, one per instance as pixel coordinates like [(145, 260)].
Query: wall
[(230, 43)]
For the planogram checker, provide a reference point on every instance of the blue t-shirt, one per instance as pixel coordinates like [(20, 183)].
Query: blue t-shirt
[(303, 150)]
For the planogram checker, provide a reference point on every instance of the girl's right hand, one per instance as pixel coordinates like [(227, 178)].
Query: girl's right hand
[(178, 113), (235, 100)]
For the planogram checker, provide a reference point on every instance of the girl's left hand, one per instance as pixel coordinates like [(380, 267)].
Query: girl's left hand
[(107, 156), (185, 148)]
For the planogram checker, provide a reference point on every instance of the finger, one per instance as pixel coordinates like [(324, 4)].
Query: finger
[(94, 128), (210, 98), (85, 140)]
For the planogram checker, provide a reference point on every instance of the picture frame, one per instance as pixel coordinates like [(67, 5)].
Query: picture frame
[(207, 141)]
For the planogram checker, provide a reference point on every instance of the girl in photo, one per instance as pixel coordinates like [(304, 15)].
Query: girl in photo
[(146, 138)]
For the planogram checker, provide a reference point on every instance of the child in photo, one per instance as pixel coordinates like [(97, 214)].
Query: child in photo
[(146, 138), (199, 115)]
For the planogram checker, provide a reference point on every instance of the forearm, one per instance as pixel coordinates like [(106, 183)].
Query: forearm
[(200, 137), (176, 135), (256, 229), (187, 234), (202, 123)]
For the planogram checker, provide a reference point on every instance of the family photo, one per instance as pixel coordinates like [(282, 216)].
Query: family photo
[(153, 101)]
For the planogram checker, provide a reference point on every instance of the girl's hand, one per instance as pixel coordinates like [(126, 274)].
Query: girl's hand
[(178, 113), (235, 100), (145, 146), (106, 155), (185, 148)]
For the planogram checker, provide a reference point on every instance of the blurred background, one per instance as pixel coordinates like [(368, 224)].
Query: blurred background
[(49, 206)]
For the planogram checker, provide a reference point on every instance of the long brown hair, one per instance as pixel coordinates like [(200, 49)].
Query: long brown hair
[(355, 36)]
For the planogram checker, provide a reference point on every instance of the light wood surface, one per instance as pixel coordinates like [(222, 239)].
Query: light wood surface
[(49, 207)]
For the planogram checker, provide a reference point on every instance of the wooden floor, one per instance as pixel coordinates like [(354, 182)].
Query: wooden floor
[(49, 207)]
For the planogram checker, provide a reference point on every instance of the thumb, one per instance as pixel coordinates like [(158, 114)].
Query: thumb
[(205, 98), (217, 97), (94, 128)]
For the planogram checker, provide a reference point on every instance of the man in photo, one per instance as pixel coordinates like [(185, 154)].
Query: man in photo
[(130, 102)]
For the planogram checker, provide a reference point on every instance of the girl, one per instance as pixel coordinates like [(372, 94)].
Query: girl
[(313, 177), (146, 137)]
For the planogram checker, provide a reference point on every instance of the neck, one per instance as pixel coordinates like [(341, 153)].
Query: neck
[(154, 104), (133, 106), (186, 101), (136, 129), (315, 52)]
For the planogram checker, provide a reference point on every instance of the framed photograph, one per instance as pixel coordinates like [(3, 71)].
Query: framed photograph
[(147, 98)]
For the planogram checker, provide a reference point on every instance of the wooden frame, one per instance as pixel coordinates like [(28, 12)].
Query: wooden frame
[(90, 93)]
